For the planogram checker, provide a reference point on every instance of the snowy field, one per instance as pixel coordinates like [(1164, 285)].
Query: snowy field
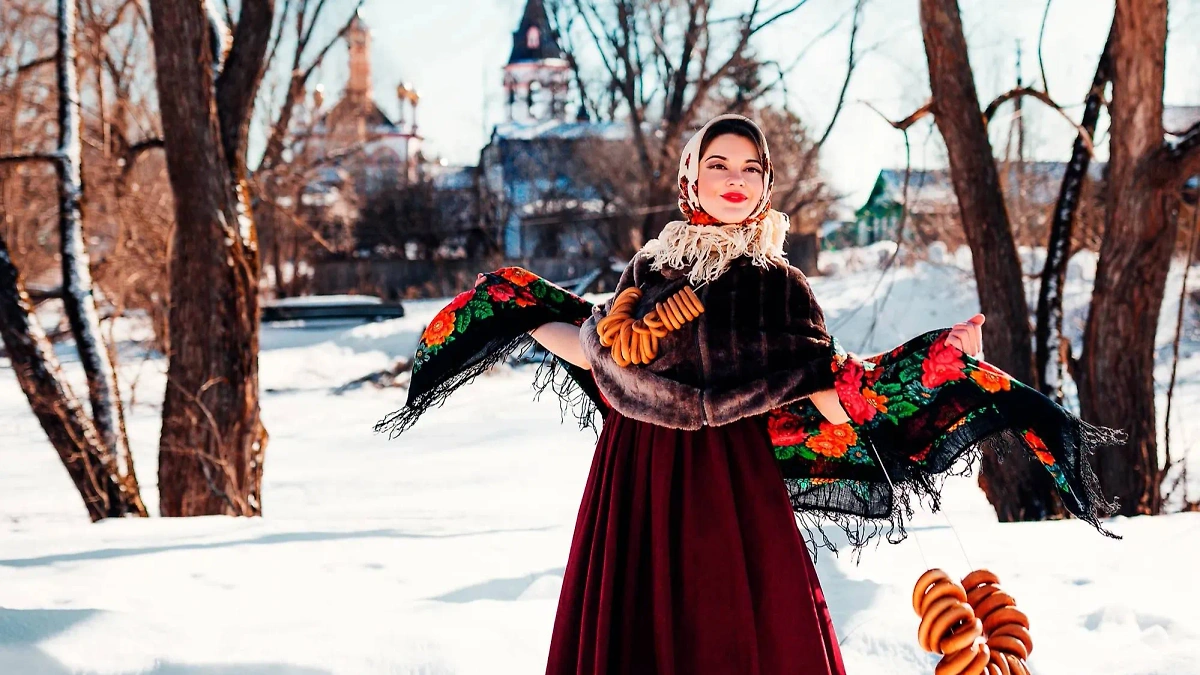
[(443, 551)]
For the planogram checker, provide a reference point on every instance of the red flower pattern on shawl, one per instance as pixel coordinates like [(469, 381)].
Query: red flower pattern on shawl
[(944, 364), (440, 328), (460, 300), (849, 387), (786, 428), (502, 293)]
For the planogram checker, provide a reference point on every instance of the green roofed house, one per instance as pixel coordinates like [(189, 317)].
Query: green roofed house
[(1029, 186), (929, 195), (932, 205)]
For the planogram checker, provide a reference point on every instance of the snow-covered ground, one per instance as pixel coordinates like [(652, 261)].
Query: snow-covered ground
[(442, 552)]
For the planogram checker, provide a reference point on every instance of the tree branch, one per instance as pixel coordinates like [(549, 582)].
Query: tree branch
[(40, 61), (907, 122), (608, 66), (1041, 35), (777, 16), (238, 83), (44, 158), (287, 8), (1168, 464), (851, 63), (312, 23), (297, 84), (300, 224), (329, 45), (1048, 328), (130, 157), (1176, 162), (824, 34), (1042, 96)]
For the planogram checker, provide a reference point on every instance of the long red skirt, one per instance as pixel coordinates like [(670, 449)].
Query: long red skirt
[(686, 560)]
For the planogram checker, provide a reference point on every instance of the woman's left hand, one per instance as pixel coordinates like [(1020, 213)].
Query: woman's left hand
[(968, 336), (830, 407)]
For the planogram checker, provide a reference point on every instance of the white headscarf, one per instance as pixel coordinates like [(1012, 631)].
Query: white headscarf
[(704, 242)]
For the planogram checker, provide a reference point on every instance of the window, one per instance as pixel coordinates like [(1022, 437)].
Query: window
[(533, 38)]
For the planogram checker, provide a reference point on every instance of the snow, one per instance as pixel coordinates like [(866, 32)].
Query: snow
[(443, 551), (319, 300)]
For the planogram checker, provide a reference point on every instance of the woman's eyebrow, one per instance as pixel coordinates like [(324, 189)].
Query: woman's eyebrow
[(727, 159)]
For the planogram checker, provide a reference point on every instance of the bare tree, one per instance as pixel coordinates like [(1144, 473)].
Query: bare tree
[(392, 220), (1116, 369), (128, 196), (28, 128), (801, 191), (90, 447), (1115, 373), (300, 72), (1014, 487), (292, 230), (213, 441), (977, 185), (1051, 348), (663, 63), (78, 301), (91, 465)]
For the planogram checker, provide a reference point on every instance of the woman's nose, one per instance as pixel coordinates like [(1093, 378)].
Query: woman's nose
[(736, 178)]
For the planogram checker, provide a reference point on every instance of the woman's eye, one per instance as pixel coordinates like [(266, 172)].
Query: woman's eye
[(716, 166), (755, 169)]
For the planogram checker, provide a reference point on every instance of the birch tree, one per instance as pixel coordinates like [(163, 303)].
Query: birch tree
[(94, 450)]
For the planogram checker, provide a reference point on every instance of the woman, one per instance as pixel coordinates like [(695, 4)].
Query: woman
[(727, 408), (686, 557)]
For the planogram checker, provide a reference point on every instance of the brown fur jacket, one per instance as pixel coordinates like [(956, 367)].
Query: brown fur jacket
[(760, 344)]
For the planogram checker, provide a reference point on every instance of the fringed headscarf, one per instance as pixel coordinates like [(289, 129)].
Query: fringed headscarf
[(706, 244)]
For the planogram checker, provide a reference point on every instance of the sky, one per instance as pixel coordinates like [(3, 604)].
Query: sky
[(453, 52)]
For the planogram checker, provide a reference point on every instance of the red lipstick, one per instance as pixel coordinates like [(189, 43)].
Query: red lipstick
[(734, 196)]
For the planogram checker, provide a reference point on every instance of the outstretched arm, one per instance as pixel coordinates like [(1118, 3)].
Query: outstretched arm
[(562, 340), (830, 407)]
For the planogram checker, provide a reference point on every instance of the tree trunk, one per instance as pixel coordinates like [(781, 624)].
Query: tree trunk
[(78, 300), (653, 221), (89, 464), (1117, 367), (1049, 332), (213, 441), (804, 251), (1016, 488)]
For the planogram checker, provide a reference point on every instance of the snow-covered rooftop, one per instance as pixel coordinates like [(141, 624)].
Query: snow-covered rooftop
[(558, 129)]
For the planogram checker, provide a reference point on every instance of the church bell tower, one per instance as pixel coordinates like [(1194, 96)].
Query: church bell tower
[(537, 77)]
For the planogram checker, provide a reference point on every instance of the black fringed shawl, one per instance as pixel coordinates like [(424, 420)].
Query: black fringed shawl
[(918, 413), (486, 325)]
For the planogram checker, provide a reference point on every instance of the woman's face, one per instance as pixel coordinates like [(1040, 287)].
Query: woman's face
[(730, 178)]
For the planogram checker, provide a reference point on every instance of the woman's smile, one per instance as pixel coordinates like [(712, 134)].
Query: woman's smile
[(735, 197)]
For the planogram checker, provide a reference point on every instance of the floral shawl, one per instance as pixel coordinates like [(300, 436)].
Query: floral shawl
[(918, 413)]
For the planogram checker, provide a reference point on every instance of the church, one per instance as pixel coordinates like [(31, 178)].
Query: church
[(522, 196), (528, 158), (378, 152)]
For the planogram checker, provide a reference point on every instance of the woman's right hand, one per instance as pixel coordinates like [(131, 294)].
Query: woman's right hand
[(829, 406), (562, 339)]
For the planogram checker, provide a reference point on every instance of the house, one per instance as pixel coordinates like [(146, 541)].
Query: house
[(932, 201), (933, 205)]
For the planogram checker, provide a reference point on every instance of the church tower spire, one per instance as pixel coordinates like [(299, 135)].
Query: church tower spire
[(359, 40), (537, 76)]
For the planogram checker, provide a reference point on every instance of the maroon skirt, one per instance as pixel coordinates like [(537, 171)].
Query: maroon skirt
[(686, 560)]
